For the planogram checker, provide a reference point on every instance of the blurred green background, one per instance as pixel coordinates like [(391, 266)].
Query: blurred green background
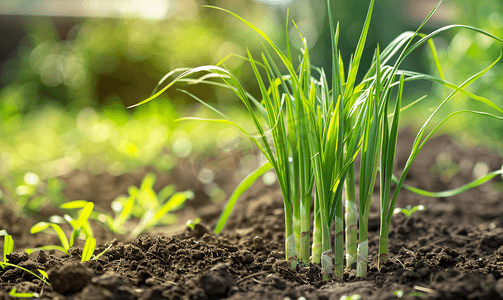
[(69, 69)]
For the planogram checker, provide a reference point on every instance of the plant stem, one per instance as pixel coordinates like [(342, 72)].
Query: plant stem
[(326, 254), (297, 230), (339, 239), (383, 245), (305, 236), (351, 218), (361, 264), (290, 250), (317, 234)]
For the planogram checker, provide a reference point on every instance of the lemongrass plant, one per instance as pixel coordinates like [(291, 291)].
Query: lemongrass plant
[(311, 131)]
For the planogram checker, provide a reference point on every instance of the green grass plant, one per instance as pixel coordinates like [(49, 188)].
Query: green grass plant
[(42, 272), (116, 223), (408, 210), (192, 223), (151, 208), (8, 248), (81, 224), (311, 131)]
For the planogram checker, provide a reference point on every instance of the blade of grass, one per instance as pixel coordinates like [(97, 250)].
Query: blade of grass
[(89, 246), (241, 188), (452, 192)]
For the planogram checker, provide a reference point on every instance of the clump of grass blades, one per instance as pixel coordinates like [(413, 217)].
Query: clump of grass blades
[(311, 133)]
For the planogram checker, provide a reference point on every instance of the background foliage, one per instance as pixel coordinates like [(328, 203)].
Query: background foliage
[(66, 79)]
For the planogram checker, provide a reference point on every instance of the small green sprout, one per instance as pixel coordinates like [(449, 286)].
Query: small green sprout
[(192, 223), (399, 294), (115, 225), (42, 272), (352, 297), (156, 214), (81, 224), (7, 249), (415, 294), (408, 210), (143, 203)]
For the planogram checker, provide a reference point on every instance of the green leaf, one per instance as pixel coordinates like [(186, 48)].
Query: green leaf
[(8, 247), (26, 270), (40, 226), (147, 197), (15, 294), (240, 189), (358, 54), (453, 192), (61, 235), (166, 192), (43, 273), (89, 246), (124, 215), (83, 216), (74, 204), (47, 248), (103, 252)]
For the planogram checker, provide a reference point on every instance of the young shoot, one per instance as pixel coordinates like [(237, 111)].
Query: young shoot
[(78, 225), (192, 223), (144, 203), (8, 249), (408, 210)]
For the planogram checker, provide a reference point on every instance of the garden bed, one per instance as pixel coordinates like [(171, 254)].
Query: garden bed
[(451, 250)]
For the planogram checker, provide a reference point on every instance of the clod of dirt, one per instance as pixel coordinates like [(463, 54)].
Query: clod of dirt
[(17, 257), (69, 278), (218, 282), (132, 252), (110, 281), (93, 292), (198, 231)]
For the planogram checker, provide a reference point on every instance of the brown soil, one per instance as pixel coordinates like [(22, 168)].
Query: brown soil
[(452, 250)]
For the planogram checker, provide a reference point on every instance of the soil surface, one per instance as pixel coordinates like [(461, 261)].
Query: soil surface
[(451, 250)]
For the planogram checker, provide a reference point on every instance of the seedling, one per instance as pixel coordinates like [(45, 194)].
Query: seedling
[(115, 225), (192, 223), (152, 209), (8, 249), (408, 210), (81, 224), (400, 293), (311, 133)]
